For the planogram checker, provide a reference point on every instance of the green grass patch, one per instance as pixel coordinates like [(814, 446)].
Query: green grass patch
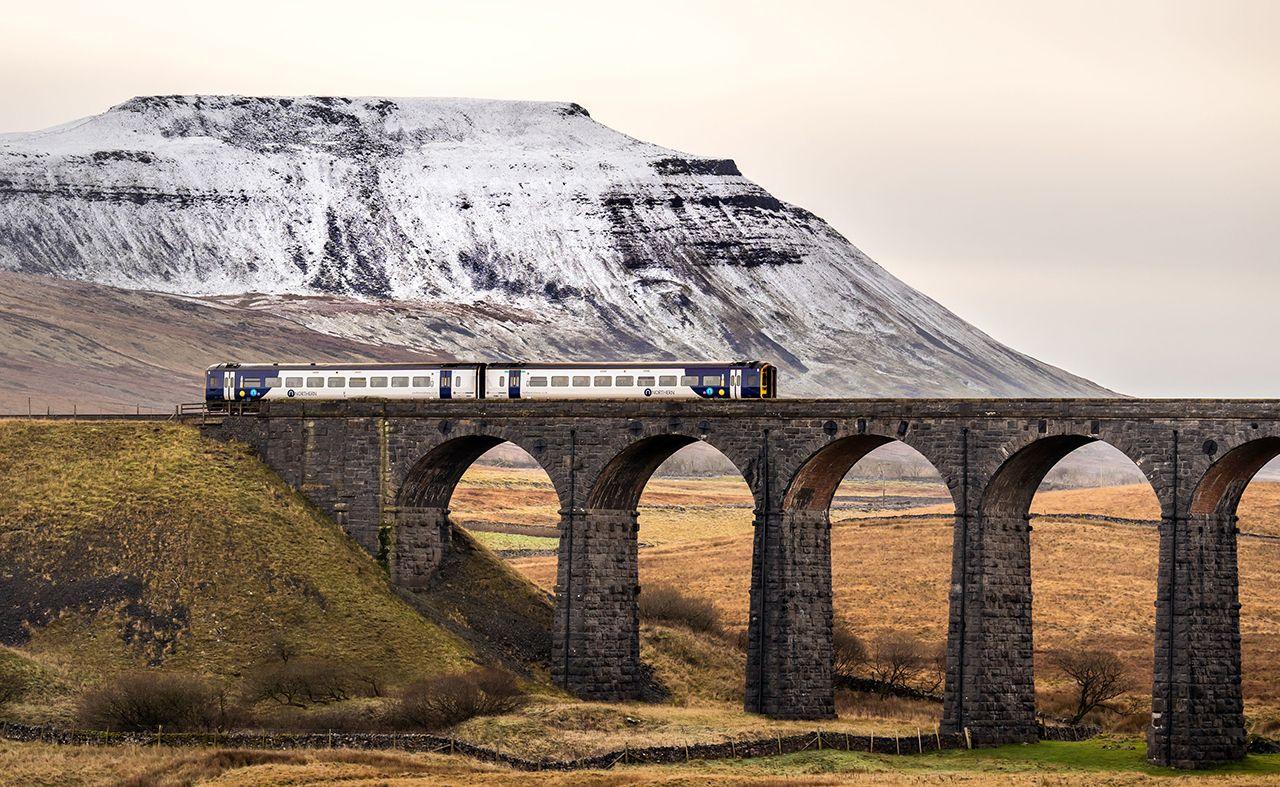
[(1098, 755), (511, 542)]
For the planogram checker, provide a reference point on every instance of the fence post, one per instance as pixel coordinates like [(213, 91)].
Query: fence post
[(968, 739), (937, 734), (897, 744), (819, 740), (871, 748), (920, 740)]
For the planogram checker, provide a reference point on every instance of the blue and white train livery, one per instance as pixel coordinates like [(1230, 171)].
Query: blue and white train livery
[(249, 383)]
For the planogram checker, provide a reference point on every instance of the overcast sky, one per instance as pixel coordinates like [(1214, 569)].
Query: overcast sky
[(1096, 184)]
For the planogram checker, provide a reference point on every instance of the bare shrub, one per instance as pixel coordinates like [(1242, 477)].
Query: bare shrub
[(447, 700), (301, 682), (141, 701), (667, 604), (896, 661), (934, 675), (849, 652), (1099, 676)]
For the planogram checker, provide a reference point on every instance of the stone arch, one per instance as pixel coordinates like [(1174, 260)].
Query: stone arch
[(621, 481), (813, 485), (596, 649), (1222, 486), (419, 513), (996, 613)]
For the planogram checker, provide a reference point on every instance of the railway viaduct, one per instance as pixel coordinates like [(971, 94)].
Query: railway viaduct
[(386, 471)]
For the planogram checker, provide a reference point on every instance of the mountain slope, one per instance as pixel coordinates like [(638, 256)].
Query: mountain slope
[(489, 228)]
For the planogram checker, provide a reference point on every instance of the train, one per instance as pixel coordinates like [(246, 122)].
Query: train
[(251, 383)]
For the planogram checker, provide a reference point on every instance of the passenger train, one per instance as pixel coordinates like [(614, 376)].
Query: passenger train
[(250, 383)]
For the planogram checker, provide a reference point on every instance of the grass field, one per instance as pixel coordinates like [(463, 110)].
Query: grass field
[(1101, 761)]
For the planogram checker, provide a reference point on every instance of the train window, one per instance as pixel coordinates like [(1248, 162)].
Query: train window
[(359, 382), (272, 382), (502, 381), (377, 382), (625, 382), (603, 381), (559, 381), (646, 382), (581, 381), (250, 382), (293, 382), (537, 382), (315, 382), (713, 379), (337, 382), (422, 382), (667, 380), (689, 379), (399, 382)]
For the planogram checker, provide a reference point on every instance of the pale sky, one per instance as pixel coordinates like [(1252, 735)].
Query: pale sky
[(1096, 184)]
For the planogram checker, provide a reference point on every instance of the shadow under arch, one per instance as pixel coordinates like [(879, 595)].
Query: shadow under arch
[(422, 532), (1219, 492)]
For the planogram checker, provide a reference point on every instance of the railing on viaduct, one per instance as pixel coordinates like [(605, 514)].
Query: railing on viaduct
[(395, 465)]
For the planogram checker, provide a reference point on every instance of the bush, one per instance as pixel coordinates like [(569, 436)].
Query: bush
[(300, 682), (447, 700), (666, 604), (142, 701), (849, 653), (897, 660), (1099, 677)]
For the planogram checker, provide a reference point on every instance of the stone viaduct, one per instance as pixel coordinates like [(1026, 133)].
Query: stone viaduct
[(386, 471)]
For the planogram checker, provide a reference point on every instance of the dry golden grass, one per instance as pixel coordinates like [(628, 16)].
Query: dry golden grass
[(1046, 765), (1093, 582)]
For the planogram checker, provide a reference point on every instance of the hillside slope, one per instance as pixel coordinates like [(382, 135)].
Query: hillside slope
[(498, 228), (130, 544)]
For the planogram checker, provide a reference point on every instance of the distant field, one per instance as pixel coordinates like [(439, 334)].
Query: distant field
[(1093, 582)]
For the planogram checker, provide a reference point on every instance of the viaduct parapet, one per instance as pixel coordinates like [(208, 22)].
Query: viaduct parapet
[(386, 471)]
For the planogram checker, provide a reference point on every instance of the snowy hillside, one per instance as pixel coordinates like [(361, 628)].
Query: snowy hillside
[(468, 227)]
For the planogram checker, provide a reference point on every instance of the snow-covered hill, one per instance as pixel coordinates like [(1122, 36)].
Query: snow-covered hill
[(469, 227)]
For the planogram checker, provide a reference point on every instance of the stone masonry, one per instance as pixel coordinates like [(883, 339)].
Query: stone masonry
[(386, 471)]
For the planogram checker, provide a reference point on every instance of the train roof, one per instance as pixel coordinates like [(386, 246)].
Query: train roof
[(231, 365)]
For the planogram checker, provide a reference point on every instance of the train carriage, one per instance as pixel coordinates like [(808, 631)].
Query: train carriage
[(250, 383)]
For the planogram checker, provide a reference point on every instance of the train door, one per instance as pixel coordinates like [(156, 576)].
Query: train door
[(769, 382), (229, 386), (513, 383), (446, 384)]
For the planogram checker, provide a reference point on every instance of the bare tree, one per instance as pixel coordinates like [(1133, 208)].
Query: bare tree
[(896, 661), (1099, 675), (849, 653)]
